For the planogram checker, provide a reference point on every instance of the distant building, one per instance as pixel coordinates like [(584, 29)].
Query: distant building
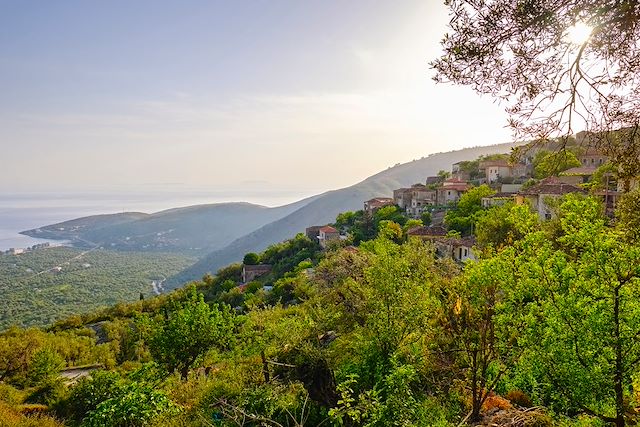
[(327, 234), (313, 232), (451, 191), (593, 158), (498, 199), (458, 173), (456, 248), (577, 175), (540, 194), (15, 251), (459, 249), (251, 272), (433, 180), (427, 233), (372, 205), (496, 170), (415, 199), (510, 188)]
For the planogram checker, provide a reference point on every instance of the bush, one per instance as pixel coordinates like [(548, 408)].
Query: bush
[(89, 392), (520, 398), (251, 259), (134, 405), (12, 417)]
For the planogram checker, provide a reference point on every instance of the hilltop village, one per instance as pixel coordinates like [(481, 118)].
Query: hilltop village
[(538, 179), (363, 304)]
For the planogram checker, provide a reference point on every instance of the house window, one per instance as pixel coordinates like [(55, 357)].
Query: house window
[(466, 252)]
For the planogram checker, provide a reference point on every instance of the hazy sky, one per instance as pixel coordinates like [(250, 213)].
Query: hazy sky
[(298, 95)]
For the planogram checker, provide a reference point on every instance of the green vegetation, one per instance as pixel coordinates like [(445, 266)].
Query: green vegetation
[(546, 163), (381, 334), (191, 230), (468, 210), (35, 294)]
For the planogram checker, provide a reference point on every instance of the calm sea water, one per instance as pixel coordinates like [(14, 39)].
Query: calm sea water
[(19, 212)]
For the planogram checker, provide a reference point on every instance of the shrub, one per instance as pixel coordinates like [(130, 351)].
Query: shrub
[(519, 397)]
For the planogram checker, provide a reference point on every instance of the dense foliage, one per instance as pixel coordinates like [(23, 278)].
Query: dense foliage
[(380, 334), (34, 292)]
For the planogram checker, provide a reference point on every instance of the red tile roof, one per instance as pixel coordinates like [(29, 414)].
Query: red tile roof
[(501, 196), (380, 200), (553, 186), (585, 170), (456, 187), (427, 231), (328, 229), (499, 163)]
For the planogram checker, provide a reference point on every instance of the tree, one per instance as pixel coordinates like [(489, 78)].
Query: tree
[(467, 211), (474, 330), (502, 225), (628, 214), (443, 175), (577, 296), (190, 331), (251, 259), (389, 213), (107, 399), (17, 350), (557, 65), (426, 218), (390, 230), (546, 164)]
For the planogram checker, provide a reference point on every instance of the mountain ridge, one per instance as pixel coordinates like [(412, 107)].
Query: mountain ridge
[(328, 205), (194, 230)]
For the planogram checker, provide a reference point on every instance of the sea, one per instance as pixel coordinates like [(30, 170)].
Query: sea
[(25, 211)]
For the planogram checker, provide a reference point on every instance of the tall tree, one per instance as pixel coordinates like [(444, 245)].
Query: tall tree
[(179, 341), (579, 299), (559, 66), (475, 331), (468, 210)]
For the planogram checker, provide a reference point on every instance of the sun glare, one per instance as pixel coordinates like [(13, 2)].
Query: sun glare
[(579, 33)]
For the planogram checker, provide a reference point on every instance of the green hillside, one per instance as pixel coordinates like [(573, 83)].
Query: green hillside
[(193, 230), (34, 292), (384, 333), (325, 207)]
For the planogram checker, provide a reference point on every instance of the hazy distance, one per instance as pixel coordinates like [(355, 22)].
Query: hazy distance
[(256, 96)]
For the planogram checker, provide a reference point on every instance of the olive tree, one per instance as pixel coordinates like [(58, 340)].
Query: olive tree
[(186, 334), (559, 66)]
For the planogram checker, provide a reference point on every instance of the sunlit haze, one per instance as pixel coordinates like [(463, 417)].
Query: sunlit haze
[(579, 33), (262, 95)]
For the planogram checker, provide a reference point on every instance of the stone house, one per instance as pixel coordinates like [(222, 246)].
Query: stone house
[(327, 234), (372, 205), (451, 191), (498, 199), (459, 249), (592, 158), (577, 175), (498, 169), (313, 232), (427, 233), (542, 193), (251, 272), (413, 200)]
